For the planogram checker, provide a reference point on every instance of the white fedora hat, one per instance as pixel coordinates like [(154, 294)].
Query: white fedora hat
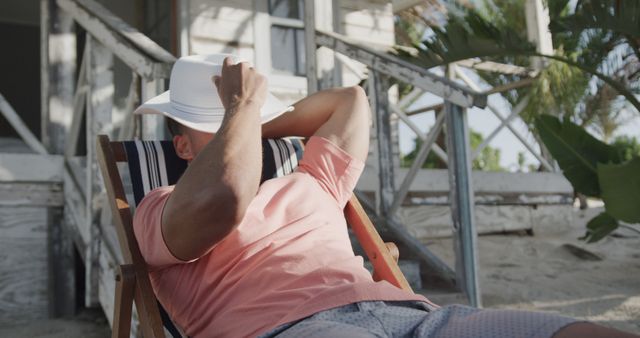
[(192, 98)]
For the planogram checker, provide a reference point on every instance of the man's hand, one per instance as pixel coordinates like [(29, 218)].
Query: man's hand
[(240, 85)]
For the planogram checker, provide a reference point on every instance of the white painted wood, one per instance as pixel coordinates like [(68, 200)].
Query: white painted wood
[(421, 156), (152, 124), (262, 36), (381, 21), (495, 67), (469, 82), (537, 20), (515, 112), (57, 69), (16, 122), (99, 121), (435, 180), (31, 194), (30, 168), (434, 221), (237, 29), (23, 262), (79, 105), (127, 126), (310, 47), (218, 8), (143, 64), (325, 58), (426, 222), (183, 20), (107, 282), (140, 40), (393, 66)]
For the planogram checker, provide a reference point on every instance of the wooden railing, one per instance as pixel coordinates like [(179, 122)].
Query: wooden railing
[(382, 67), (75, 110)]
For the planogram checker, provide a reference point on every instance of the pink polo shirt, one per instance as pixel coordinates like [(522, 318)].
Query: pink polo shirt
[(289, 258)]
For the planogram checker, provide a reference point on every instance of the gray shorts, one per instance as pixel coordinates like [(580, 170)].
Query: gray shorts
[(418, 319)]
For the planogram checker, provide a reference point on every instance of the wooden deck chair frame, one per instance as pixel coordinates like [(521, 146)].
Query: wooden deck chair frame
[(132, 279)]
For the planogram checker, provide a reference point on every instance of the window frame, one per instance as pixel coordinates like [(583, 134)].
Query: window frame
[(262, 46)]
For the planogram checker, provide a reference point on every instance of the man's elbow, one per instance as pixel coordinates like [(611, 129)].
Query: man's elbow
[(354, 93)]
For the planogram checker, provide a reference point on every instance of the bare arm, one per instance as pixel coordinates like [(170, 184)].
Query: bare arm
[(213, 194), (341, 115)]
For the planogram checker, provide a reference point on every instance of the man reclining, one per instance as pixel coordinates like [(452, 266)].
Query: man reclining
[(231, 258)]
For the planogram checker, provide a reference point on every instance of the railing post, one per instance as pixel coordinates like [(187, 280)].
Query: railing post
[(99, 121), (152, 124), (310, 46), (58, 68), (382, 112), (462, 202)]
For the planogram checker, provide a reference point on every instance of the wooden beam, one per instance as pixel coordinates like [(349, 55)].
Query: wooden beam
[(31, 168), (310, 46), (496, 67), (382, 115), (395, 67), (509, 86), (57, 69), (515, 112), (153, 127), (469, 82), (98, 119), (462, 202), (425, 149), (139, 40), (31, 194), (434, 107), (79, 105), (143, 64), (487, 182), (16, 122)]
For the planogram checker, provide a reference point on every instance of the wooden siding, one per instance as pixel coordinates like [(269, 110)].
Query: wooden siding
[(30, 185)]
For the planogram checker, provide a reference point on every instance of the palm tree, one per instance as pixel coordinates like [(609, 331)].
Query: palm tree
[(597, 42)]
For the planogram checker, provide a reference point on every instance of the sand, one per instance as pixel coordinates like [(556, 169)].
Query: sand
[(554, 271)]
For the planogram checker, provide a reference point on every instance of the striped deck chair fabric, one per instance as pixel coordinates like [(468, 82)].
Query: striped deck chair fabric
[(154, 164)]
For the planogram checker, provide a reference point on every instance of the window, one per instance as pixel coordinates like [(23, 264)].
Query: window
[(287, 37)]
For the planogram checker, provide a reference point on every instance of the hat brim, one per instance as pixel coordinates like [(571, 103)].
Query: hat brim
[(211, 120)]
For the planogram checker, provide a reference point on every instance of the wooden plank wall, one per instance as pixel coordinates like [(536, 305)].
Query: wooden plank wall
[(504, 201), (30, 185)]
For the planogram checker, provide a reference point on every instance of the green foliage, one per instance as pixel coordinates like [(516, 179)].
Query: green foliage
[(595, 169), (558, 89), (576, 151), (620, 184), (586, 40), (627, 146), (599, 227), (488, 159)]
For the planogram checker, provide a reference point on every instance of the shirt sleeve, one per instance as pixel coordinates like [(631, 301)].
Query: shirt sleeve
[(334, 169), (147, 227)]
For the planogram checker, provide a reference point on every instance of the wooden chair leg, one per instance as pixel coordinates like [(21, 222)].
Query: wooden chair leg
[(125, 288)]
